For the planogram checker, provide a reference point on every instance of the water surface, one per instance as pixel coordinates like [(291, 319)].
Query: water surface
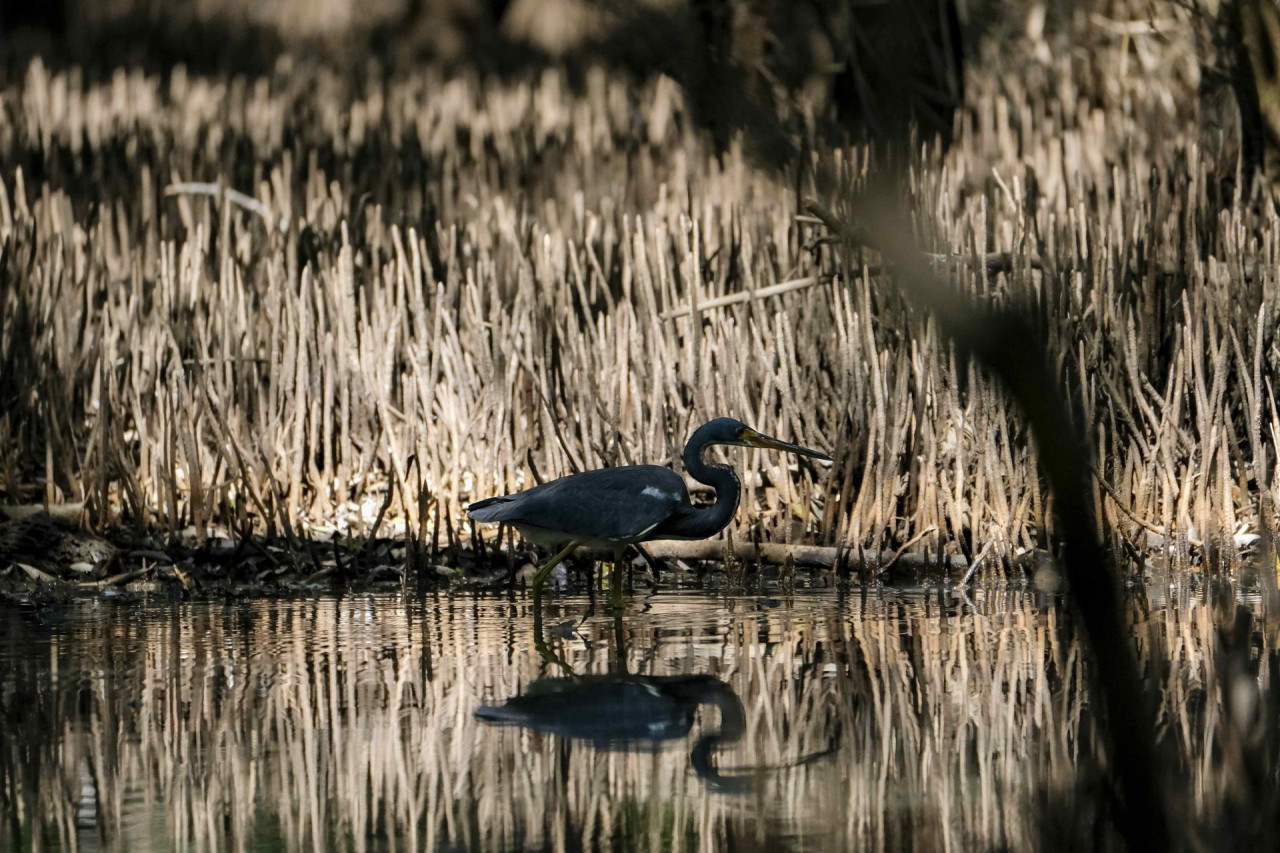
[(885, 719)]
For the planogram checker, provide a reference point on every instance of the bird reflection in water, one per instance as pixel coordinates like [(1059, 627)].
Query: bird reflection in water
[(620, 711)]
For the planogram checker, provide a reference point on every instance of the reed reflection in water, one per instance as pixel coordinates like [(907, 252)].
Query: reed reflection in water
[(898, 719)]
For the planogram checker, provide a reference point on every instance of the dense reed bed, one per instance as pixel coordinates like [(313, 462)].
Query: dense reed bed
[(277, 303)]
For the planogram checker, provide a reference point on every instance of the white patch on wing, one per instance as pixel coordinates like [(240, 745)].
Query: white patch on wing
[(639, 537), (655, 492)]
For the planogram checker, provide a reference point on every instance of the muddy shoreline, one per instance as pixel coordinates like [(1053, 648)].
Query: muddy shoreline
[(45, 560)]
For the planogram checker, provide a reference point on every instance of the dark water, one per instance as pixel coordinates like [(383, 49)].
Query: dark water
[(886, 720)]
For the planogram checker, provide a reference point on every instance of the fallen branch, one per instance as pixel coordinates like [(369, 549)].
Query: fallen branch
[(995, 262), (743, 296), (68, 512), (236, 197), (815, 556), (117, 580)]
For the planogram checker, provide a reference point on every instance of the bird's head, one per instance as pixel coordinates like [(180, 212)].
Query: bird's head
[(735, 433)]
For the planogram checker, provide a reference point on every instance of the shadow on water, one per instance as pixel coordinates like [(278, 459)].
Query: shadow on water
[(620, 710), (880, 720), (624, 711)]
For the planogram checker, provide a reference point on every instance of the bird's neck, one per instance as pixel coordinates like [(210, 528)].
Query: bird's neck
[(732, 725), (710, 520)]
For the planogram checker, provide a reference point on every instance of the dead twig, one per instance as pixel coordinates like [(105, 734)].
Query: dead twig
[(903, 548)]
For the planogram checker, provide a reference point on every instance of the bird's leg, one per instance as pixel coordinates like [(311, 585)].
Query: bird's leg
[(540, 576), (540, 641), (650, 562), (619, 645), (615, 578)]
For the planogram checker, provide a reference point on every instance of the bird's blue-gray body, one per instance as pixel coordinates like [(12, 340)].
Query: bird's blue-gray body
[(604, 708), (603, 508)]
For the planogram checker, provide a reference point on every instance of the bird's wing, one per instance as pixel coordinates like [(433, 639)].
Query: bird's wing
[(610, 503)]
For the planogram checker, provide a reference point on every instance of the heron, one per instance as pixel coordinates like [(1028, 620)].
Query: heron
[(611, 508)]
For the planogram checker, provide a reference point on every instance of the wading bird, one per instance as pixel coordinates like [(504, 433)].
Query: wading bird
[(612, 508)]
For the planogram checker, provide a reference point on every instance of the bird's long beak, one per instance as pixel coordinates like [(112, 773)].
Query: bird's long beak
[(751, 438)]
